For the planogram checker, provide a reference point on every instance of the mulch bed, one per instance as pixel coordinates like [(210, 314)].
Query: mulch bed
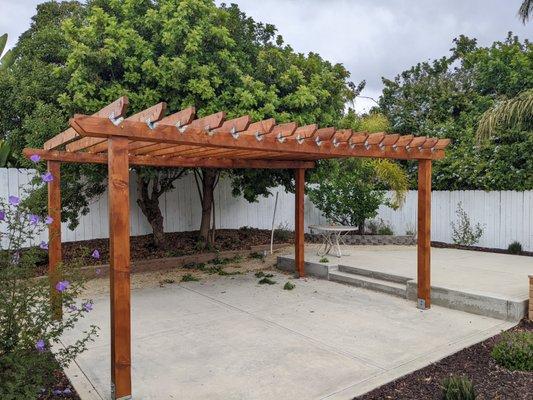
[(62, 388), (179, 244), (477, 248), (491, 381)]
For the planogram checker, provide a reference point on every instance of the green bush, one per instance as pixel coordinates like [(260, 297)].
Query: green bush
[(515, 248), (515, 351), (28, 329), (189, 278), (457, 388), (385, 230)]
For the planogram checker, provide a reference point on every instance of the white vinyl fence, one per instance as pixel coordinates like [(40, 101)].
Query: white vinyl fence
[(506, 216)]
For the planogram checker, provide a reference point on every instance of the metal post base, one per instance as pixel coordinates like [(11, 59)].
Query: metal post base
[(421, 304)]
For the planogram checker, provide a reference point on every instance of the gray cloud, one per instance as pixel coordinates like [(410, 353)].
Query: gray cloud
[(371, 38)]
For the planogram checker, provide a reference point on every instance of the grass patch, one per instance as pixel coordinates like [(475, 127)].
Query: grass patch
[(457, 388), (266, 281), (189, 278), (289, 286)]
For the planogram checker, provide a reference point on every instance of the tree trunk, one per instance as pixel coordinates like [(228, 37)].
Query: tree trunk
[(209, 179), (150, 208), (361, 227)]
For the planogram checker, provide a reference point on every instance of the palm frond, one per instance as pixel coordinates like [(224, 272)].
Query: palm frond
[(392, 175), (513, 113), (525, 10)]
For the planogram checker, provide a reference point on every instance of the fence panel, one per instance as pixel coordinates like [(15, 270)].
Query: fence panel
[(505, 216)]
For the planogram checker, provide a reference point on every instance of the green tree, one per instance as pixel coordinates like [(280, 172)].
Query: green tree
[(350, 191), (448, 96), (187, 52)]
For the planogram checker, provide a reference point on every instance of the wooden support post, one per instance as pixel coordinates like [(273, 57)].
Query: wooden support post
[(424, 234), (54, 238), (119, 238), (299, 222)]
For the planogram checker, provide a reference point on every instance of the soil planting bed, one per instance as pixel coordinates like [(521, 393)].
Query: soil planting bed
[(490, 380)]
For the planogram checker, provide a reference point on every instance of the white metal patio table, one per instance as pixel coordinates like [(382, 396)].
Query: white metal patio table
[(332, 236)]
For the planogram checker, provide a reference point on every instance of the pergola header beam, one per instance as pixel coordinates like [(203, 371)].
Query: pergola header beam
[(138, 131), (169, 162)]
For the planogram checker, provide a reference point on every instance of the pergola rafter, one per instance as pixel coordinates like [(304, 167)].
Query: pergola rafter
[(150, 138)]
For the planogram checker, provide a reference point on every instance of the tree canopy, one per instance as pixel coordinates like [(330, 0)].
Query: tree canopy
[(186, 52), (448, 96)]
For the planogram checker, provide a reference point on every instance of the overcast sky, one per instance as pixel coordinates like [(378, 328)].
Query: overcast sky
[(371, 38)]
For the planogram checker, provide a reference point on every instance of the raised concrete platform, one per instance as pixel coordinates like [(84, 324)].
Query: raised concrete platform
[(489, 284), (228, 338)]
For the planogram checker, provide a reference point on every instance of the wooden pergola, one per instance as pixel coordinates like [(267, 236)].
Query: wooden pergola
[(180, 140)]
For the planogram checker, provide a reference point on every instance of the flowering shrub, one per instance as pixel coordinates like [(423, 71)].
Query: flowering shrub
[(28, 329)]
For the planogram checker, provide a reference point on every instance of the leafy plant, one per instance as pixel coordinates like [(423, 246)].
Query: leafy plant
[(28, 327), (7, 58), (515, 248), (463, 232), (6, 155), (457, 388), (257, 255), (259, 274), (289, 286), (515, 351), (282, 233), (323, 260)]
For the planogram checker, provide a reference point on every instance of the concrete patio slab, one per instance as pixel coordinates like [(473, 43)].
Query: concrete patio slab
[(230, 338), (489, 284)]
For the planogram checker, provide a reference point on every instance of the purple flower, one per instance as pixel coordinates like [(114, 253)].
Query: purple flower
[(61, 286), (39, 345), (98, 271), (73, 308), (48, 220), (34, 219), (47, 177), (2, 215), (88, 306), (57, 392), (67, 391), (35, 158), (14, 200), (95, 254), (43, 245)]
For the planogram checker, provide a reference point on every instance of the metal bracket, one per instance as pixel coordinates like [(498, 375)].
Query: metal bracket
[(115, 121), (421, 304)]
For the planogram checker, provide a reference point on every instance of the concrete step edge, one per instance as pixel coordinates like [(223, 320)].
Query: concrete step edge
[(378, 285), (374, 274)]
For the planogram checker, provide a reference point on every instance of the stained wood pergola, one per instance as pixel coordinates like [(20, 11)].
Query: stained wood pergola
[(180, 140)]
